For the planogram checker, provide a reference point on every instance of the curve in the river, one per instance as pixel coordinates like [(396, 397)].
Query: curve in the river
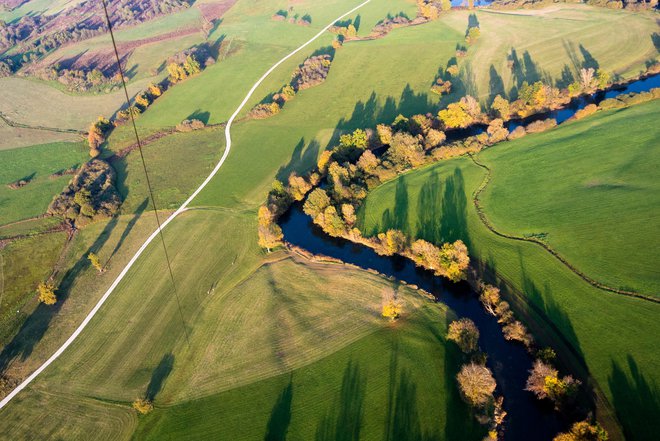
[(527, 419)]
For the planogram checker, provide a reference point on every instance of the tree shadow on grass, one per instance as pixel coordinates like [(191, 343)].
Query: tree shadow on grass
[(302, 159), (453, 222), (344, 421), (398, 217), (495, 85), (129, 227), (35, 326), (636, 401), (159, 375), (280, 416)]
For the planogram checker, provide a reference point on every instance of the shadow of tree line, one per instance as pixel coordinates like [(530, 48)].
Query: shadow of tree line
[(36, 325)]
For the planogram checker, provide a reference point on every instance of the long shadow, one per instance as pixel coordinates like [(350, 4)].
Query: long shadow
[(201, 115), (636, 402), (280, 416), (36, 325), (589, 61), (453, 223), (344, 422), (398, 218), (495, 85), (159, 375), (129, 226), (566, 77), (302, 158), (429, 205)]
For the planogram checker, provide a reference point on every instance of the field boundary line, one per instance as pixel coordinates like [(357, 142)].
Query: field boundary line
[(181, 209), (583, 276), (17, 125)]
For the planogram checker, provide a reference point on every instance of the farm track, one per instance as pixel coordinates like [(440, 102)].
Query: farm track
[(11, 123), (180, 210), (583, 276)]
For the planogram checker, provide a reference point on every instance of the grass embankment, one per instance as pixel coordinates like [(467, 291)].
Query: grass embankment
[(612, 335)]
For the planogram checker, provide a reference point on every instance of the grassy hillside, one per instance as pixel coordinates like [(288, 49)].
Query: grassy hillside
[(611, 335), (592, 190)]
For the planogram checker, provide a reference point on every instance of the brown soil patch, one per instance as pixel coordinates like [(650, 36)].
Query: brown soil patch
[(214, 11)]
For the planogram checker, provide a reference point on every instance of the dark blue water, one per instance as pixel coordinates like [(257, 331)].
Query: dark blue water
[(565, 113), (527, 419)]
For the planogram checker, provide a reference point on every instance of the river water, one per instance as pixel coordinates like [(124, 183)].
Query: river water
[(527, 419)]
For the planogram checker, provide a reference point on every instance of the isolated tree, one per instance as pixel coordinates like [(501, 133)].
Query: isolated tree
[(465, 334), (96, 262), (490, 297), (476, 384), (143, 405), (47, 293), (583, 431), (472, 35), (392, 306)]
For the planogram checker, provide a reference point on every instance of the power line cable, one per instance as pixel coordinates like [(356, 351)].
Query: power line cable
[(144, 166)]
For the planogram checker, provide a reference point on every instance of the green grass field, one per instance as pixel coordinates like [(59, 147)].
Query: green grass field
[(224, 280), (593, 189), (613, 335), (37, 163)]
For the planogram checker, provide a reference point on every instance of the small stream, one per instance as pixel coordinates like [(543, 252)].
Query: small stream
[(527, 419)]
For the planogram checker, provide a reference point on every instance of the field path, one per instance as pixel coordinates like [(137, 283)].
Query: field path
[(181, 209)]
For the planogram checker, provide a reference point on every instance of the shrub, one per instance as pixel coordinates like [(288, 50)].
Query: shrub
[(143, 405), (188, 125), (516, 133), (264, 110), (583, 431), (588, 110), (541, 125)]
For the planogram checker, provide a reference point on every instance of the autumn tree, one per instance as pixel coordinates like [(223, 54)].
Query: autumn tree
[(298, 187), (405, 151), (357, 139), (392, 242), (96, 262), (473, 34), (455, 115), (316, 203), (465, 334), (270, 234), (155, 90), (434, 138), (496, 131), (176, 72), (96, 135), (501, 107), (324, 159), (476, 384), (603, 78), (384, 134), (143, 405), (46, 292), (348, 213), (392, 306), (587, 78), (490, 297), (544, 382), (445, 5), (191, 65), (142, 100), (516, 331), (583, 431), (367, 162), (455, 260)]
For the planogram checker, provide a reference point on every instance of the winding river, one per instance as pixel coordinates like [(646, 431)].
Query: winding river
[(527, 419)]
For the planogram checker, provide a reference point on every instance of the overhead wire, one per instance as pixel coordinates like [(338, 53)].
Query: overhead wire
[(144, 166)]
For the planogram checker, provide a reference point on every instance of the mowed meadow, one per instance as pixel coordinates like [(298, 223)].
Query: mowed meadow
[(609, 336), (265, 343)]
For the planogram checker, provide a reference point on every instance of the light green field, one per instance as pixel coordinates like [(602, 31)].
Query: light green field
[(23, 264), (13, 137), (289, 303), (549, 40), (614, 336), (38, 162), (250, 321), (30, 102), (593, 189)]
